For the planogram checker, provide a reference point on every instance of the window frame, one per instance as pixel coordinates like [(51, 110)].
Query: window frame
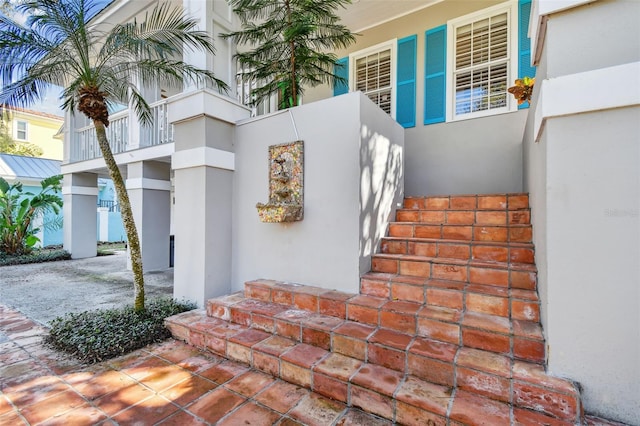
[(511, 8), (26, 130), (391, 45)]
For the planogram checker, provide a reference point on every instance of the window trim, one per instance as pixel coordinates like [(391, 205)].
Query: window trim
[(511, 8), (391, 44), (26, 130)]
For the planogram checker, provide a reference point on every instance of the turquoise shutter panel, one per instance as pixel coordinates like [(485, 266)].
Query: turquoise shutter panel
[(435, 79), (406, 82), (341, 69), (524, 44)]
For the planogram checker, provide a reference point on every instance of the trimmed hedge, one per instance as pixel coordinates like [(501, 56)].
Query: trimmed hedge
[(94, 336), (37, 256)]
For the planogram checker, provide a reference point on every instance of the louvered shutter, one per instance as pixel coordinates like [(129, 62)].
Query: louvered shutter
[(524, 44), (435, 77), (406, 82), (341, 69)]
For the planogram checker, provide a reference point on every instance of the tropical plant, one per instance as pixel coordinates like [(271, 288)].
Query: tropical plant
[(59, 45), (289, 44), (523, 89), (10, 146), (19, 209)]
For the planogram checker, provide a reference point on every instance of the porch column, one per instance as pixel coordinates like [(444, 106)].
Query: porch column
[(80, 196), (149, 189), (203, 165)]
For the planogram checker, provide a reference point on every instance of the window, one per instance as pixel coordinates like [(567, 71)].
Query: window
[(374, 75), (386, 73), (21, 130), (483, 62)]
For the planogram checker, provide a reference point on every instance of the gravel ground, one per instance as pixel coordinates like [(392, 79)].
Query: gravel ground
[(44, 291)]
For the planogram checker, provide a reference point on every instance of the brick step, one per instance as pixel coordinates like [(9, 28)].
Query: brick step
[(451, 314), (469, 202), (507, 275), (456, 249), (441, 381), (491, 233), (465, 217)]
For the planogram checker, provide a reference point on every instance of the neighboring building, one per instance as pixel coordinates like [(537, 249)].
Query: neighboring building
[(37, 128), (439, 71), (30, 171)]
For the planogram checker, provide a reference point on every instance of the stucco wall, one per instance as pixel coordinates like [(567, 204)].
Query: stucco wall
[(352, 161), (584, 183), (593, 247), (481, 155), (592, 36), (478, 156)]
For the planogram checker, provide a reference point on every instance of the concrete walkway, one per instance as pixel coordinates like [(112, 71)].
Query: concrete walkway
[(44, 291)]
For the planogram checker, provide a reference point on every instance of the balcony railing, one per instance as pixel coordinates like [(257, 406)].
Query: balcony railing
[(84, 144), (161, 131)]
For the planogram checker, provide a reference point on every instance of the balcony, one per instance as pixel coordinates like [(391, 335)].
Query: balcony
[(124, 133)]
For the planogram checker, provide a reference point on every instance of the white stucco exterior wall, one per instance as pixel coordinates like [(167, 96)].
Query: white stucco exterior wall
[(352, 157), (477, 156), (581, 167), (593, 244)]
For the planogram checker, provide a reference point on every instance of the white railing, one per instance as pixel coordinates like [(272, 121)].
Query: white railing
[(161, 131), (84, 145)]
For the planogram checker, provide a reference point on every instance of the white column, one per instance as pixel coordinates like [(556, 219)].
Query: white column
[(149, 189), (80, 196), (103, 230), (203, 165)]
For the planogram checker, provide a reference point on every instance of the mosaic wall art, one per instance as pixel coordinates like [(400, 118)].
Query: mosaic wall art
[(286, 184)]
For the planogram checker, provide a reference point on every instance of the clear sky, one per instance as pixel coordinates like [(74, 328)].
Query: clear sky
[(51, 102)]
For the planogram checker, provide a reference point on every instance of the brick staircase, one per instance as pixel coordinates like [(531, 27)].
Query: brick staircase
[(445, 328)]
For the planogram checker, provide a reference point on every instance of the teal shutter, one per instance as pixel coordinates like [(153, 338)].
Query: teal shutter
[(524, 44), (341, 69), (406, 82), (435, 80)]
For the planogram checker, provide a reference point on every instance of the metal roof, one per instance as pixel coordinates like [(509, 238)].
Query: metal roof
[(19, 167)]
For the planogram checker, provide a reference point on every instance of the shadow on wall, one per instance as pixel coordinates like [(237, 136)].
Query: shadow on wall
[(382, 173)]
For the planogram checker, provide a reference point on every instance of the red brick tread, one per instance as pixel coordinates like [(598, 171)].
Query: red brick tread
[(459, 381), (465, 217), (469, 202), (479, 321), (488, 251), (502, 233)]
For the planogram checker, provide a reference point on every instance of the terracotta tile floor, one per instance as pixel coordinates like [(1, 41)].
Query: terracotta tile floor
[(166, 384), (169, 383)]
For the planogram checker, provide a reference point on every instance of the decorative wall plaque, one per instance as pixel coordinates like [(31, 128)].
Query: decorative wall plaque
[(286, 184)]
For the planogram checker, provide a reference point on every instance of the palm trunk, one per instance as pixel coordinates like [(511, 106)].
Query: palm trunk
[(127, 216)]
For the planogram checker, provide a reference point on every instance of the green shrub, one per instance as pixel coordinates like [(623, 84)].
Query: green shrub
[(36, 256), (97, 335)]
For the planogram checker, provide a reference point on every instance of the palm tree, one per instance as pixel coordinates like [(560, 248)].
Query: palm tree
[(97, 67), (290, 45)]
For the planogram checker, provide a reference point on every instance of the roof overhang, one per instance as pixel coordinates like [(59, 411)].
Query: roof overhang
[(361, 15)]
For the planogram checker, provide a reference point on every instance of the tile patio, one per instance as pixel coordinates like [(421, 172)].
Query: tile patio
[(169, 383)]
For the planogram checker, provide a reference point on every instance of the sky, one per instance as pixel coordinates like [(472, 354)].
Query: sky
[(51, 102)]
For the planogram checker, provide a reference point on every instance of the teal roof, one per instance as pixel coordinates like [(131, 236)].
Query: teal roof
[(19, 167)]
